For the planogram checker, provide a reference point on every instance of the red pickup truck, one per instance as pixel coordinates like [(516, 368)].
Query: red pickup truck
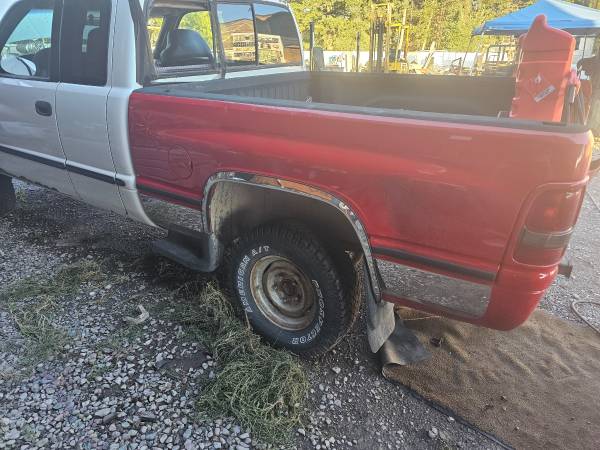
[(203, 121)]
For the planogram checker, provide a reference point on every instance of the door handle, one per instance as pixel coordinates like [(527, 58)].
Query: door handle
[(43, 108)]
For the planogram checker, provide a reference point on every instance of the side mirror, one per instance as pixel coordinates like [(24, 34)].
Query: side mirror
[(17, 65)]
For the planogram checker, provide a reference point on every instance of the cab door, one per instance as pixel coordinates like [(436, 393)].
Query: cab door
[(30, 146), (81, 100)]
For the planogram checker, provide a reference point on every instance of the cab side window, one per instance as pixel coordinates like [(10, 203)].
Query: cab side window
[(84, 42), (278, 40), (27, 38), (237, 32)]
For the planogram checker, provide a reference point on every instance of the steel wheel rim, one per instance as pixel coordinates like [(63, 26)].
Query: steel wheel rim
[(283, 293)]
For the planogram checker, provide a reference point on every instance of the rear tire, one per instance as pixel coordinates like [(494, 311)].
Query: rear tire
[(8, 199), (290, 288)]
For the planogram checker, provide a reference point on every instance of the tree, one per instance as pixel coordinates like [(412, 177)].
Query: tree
[(447, 22), (336, 21)]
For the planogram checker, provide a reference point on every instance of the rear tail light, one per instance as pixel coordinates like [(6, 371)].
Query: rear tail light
[(549, 226), (554, 211)]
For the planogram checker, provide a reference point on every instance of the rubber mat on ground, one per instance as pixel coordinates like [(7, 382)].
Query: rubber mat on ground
[(534, 387)]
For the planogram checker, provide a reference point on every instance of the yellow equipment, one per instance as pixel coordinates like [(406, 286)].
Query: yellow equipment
[(389, 38)]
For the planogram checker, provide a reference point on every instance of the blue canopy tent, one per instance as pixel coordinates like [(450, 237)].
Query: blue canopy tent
[(576, 19)]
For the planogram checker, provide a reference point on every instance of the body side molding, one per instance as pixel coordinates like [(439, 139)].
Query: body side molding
[(63, 165), (446, 266)]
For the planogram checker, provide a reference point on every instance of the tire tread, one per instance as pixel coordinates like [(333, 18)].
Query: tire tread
[(303, 238)]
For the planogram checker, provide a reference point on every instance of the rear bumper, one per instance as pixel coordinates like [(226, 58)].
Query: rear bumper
[(501, 303)]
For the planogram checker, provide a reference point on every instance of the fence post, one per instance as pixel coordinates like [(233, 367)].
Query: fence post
[(312, 45), (358, 52)]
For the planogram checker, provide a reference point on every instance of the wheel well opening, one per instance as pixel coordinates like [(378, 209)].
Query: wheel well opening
[(237, 208)]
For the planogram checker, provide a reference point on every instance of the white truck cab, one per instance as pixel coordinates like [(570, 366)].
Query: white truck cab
[(68, 68)]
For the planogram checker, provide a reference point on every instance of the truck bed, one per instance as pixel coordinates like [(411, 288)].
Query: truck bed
[(364, 93)]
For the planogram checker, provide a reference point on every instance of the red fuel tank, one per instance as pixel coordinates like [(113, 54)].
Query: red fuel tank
[(543, 73)]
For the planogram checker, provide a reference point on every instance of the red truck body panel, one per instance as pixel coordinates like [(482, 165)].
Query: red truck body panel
[(451, 192)]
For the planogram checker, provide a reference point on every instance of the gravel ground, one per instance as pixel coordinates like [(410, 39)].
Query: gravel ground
[(114, 386)]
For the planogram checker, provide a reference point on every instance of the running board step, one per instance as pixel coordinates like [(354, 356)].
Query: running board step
[(201, 252)]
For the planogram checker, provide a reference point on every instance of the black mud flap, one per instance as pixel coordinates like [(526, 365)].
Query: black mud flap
[(388, 336), (402, 348)]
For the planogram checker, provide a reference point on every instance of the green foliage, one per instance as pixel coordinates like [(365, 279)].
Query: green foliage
[(199, 21), (66, 281), (263, 387), (32, 304), (154, 26), (448, 23), (336, 21), (35, 321)]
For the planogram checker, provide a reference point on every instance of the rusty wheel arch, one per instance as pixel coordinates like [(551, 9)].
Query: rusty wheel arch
[(235, 202)]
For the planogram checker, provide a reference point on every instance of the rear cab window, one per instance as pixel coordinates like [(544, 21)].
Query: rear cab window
[(182, 40), (224, 36), (261, 34), (278, 40), (238, 34)]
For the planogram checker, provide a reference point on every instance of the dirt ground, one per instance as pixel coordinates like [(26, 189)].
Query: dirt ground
[(535, 387), (60, 406)]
